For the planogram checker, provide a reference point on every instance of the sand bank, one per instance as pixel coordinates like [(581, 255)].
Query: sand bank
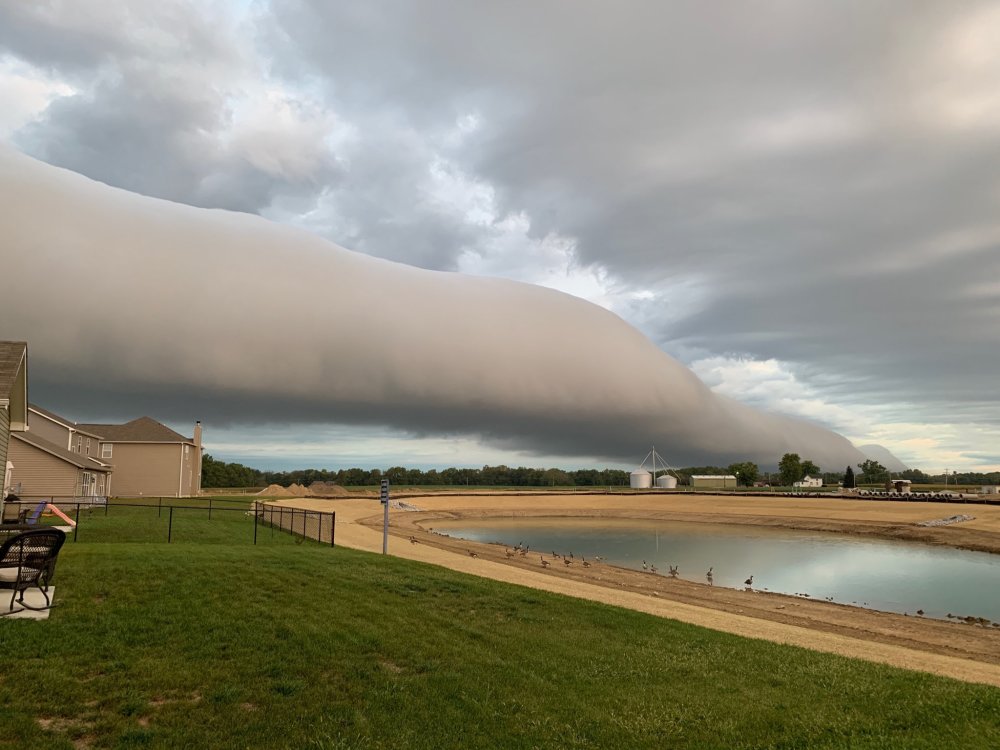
[(959, 650)]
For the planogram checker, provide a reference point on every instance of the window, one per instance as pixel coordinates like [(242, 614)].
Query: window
[(106, 450), (187, 449), (88, 446), (79, 443)]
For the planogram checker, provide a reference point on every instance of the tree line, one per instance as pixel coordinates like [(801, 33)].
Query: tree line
[(791, 468)]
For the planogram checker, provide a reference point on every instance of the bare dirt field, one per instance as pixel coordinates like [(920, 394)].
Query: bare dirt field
[(961, 650)]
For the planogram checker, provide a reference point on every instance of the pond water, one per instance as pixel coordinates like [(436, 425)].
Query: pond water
[(879, 574)]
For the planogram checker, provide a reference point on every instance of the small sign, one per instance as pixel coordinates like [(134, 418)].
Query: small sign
[(384, 493)]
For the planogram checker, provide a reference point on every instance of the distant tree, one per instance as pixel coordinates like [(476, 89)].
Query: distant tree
[(809, 468), (222, 474), (915, 475), (790, 469), (849, 482), (873, 471), (746, 472)]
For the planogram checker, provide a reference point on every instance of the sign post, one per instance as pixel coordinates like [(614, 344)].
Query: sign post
[(384, 497)]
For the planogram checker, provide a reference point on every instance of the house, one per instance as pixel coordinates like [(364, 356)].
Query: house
[(713, 481), (148, 457), (808, 481), (13, 400), (44, 469), (52, 459)]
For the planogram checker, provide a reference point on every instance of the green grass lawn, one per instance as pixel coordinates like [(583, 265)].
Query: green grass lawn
[(285, 645)]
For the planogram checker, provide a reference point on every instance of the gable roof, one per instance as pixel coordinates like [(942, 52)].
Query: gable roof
[(141, 430), (83, 462), (12, 354)]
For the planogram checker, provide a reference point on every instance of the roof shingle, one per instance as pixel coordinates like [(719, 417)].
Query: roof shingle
[(11, 355), (141, 430)]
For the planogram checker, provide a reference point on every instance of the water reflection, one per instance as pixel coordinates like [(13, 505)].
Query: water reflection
[(882, 574)]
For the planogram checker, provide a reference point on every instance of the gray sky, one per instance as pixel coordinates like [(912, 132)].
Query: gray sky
[(799, 201)]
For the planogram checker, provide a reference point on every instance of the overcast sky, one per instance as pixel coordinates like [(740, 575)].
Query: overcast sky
[(799, 201)]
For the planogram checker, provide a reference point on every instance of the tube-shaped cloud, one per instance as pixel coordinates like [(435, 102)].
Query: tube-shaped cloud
[(126, 290)]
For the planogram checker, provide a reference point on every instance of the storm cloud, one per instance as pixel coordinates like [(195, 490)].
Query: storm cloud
[(233, 308), (806, 188)]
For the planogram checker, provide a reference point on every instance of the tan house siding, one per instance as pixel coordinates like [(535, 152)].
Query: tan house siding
[(46, 428), (41, 474), (147, 469)]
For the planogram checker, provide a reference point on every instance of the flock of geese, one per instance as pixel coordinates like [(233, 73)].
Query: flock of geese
[(521, 550)]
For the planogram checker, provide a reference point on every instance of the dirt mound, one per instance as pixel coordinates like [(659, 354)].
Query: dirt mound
[(327, 489), (297, 490), (275, 490)]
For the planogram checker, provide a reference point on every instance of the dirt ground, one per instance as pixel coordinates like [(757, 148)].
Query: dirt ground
[(965, 651)]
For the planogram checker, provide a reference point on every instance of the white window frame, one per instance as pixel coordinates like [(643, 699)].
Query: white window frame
[(79, 443), (88, 446), (107, 449)]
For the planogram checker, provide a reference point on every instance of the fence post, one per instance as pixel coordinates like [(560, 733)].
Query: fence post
[(159, 506), (305, 517), (76, 528), (170, 525), (333, 526), (255, 522), (210, 508), (107, 502)]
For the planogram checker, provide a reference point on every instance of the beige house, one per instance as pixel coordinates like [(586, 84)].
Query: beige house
[(148, 457), (43, 469), (13, 401)]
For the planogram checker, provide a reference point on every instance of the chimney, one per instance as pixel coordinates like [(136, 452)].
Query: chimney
[(197, 433)]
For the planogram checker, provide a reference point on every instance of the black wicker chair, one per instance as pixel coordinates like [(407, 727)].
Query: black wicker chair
[(27, 561)]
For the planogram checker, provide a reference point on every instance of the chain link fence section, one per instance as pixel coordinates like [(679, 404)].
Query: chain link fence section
[(317, 525)]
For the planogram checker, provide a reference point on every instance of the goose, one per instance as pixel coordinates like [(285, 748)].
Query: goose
[(749, 581), (673, 570), (545, 563), (472, 554), (567, 561)]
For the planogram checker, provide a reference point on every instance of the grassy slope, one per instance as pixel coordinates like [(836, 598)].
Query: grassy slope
[(290, 645)]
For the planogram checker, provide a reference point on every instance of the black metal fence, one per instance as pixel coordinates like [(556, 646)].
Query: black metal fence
[(318, 526)]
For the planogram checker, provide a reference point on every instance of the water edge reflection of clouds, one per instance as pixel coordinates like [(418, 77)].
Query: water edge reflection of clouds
[(881, 574)]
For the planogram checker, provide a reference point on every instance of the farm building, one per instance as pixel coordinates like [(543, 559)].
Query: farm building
[(808, 481), (713, 481), (898, 485)]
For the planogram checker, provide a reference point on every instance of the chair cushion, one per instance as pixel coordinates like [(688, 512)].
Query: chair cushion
[(9, 575)]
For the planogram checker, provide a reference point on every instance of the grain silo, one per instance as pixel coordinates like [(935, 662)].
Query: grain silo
[(666, 482), (640, 480)]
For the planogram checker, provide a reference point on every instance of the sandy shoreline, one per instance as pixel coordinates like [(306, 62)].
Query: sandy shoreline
[(960, 650)]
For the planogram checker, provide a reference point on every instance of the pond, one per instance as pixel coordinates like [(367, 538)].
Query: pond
[(881, 574)]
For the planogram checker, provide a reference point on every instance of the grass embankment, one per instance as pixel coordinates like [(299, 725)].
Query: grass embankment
[(290, 645)]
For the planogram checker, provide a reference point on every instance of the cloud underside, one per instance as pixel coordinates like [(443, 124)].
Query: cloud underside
[(245, 320)]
